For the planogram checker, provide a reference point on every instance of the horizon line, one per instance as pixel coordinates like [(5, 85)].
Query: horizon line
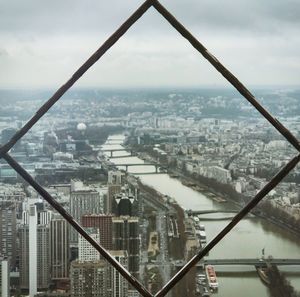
[(132, 88)]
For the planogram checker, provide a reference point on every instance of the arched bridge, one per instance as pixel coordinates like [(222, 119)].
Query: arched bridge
[(111, 151), (127, 165)]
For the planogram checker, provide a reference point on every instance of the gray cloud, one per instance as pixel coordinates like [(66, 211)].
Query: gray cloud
[(68, 16), (45, 41), (3, 52), (239, 14)]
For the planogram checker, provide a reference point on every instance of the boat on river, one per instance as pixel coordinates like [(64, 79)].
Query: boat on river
[(211, 277), (173, 175), (219, 199), (188, 183), (262, 272)]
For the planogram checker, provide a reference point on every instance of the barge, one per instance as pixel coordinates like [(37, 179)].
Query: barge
[(211, 277)]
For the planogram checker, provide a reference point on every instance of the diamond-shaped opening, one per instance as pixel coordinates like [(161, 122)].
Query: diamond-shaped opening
[(242, 231), (153, 60)]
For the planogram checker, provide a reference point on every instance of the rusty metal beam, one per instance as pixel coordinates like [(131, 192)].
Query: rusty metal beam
[(219, 67), (131, 279), (82, 69), (227, 74), (242, 213)]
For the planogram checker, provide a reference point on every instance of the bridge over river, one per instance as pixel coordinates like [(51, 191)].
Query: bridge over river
[(247, 261), (200, 212), (112, 151), (158, 168)]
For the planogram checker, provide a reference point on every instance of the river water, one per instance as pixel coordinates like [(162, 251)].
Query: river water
[(246, 240)]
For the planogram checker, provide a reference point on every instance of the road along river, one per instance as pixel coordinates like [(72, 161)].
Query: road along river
[(246, 240)]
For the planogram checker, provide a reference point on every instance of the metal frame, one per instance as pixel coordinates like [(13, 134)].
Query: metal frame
[(230, 78)]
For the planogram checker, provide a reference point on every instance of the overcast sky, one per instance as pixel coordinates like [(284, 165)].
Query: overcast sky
[(43, 42)]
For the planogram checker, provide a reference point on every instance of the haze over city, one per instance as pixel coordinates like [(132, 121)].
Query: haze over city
[(111, 182)]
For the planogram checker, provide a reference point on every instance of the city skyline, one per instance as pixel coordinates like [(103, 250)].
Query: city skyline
[(164, 176), (156, 178)]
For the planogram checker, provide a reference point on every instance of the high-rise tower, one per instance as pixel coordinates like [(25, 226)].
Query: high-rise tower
[(88, 273), (126, 237), (87, 253), (34, 250), (118, 286), (115, 182), (4, 277), (60, 248), (104, 224), (82, 202), (8, 232)]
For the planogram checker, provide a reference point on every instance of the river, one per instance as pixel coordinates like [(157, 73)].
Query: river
[(246, 240)]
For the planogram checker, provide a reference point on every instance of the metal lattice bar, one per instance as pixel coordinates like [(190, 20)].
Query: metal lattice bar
[(82, 69), (218, 66), (226, 73), (28, 178), (237, 218)]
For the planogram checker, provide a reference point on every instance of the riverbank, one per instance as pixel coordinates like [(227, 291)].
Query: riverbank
[(186, 180), (220, 193), (278, 285), (254, 233), (176, 245)]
